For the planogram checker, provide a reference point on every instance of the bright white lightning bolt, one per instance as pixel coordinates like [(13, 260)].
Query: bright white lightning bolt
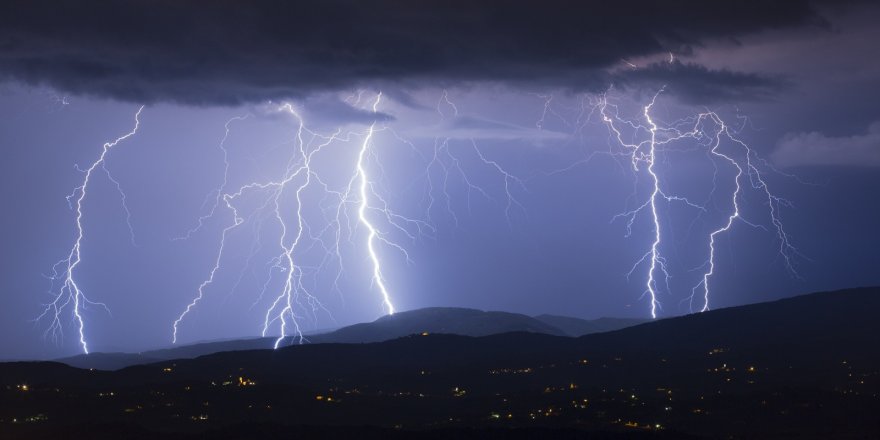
[(786, 249), (730, 219), (656, 261), (362, 214), (293, 286), (65, 269), (363, 196), (646, 152)]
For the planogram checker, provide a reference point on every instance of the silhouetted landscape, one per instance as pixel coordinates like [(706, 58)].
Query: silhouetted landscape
[(439, 219), (445, 320), (803, 367)]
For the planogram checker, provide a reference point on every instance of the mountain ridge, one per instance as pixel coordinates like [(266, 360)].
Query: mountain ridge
[(450, 320)]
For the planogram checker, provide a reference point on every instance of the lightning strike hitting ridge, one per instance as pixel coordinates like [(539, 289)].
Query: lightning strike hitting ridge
[(638, 155), (297, 168), (708, 130), (64, 270), (362, 210), (786, 249)]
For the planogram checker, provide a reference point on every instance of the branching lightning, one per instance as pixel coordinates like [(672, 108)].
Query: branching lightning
[(64, 270), (708, 130), (757, 182), (358, 204)]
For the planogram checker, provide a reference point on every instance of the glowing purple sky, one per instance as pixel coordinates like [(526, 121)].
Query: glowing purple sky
[(810, 92)]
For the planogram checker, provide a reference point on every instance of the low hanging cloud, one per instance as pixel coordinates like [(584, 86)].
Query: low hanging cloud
[(232, 52), (817, 149), (696, 84), (471, 127)]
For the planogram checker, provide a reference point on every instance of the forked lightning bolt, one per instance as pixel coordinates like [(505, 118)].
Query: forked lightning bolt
[(298, 167), (70, 293), (757, 182), (708, 130), (645, 152)]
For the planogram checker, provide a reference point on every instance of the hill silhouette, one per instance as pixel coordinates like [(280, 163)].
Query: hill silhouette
[(446, 320), (580, 327), (803, 367)]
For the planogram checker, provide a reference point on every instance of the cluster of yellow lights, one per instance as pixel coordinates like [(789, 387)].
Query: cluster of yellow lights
[(245, 382)]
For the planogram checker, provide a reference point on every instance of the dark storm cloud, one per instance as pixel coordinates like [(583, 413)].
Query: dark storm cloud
[(321, 111), (228, 52), (329, 109), (814, 148), (697, 84)]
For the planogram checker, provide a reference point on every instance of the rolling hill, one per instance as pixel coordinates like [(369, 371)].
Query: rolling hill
[(803, 367), (446, 320), (580, 327)]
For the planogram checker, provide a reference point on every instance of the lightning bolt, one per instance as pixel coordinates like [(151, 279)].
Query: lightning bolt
[(298, 167), (365, 189), (707, 129), (64, 270), (746, 166), (218, 195), (293, 286), (645, 152), (449, 163)]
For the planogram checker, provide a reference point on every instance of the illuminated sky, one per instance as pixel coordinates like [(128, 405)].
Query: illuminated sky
[(799, 82)]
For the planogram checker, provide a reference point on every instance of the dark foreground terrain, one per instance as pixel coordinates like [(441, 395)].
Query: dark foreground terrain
[(805, 367)]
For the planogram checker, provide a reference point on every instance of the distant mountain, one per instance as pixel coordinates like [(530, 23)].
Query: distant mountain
[(115, 361), (447, 320), (580, 327), (109, 361)]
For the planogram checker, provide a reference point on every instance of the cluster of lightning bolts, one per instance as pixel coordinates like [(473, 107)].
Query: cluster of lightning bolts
[(709, 132), (69, 294), (300, 174), (358, 204)]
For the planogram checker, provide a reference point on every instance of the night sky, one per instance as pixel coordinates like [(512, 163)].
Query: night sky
[(487, 137)]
